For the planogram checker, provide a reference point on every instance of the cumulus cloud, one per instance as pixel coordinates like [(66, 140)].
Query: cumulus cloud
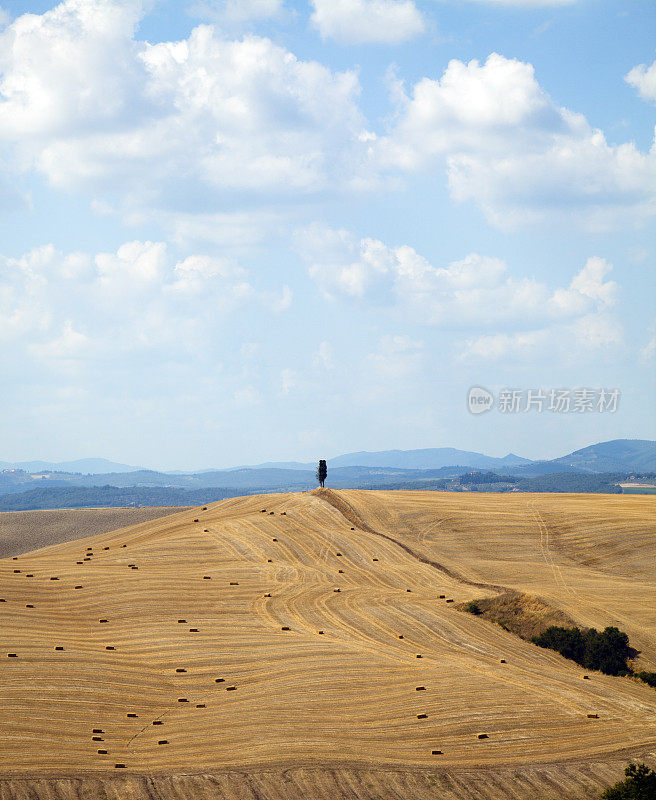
[(474, 291), (508, 147), (643, 78), (359, 21), (137, 300), (102, 111)]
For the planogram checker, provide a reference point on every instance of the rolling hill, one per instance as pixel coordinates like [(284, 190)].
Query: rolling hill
[(302, 645)]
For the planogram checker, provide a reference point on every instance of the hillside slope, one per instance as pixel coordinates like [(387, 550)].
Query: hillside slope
[(175, 656)]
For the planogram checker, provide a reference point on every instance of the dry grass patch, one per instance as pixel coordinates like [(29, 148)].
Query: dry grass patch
[(522, 614)]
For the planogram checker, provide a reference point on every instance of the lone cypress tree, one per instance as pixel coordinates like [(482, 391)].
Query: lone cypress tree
[(322, 471)]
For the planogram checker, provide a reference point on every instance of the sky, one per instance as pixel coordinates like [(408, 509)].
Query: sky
[(238, 231)]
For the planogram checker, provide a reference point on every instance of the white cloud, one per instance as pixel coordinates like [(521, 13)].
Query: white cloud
[(237, 11), (139, 299), (508, 147), (648, 352), (643, 78), (162, 124), (359, 21), (324, 357), (475, 291), (397, 358), (570, 342), (528, 3)]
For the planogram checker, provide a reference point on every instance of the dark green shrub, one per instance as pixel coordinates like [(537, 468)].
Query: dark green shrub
[(607, 651), (639, 784), (647, 677), (473, 608)]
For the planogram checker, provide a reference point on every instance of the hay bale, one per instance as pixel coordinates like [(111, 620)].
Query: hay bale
[(29, 575), (422, 716), (2, 600), (436, 753), (119, 766), (285, 628), (29, 605), (182, 700), (586, 677), (105, 548), (338, 554), (219, 680), (502, 661), (271, 513), (274, 539), (419, 655), (132, 715), (352, 529), (59, 648), (110, 647), (337, 590), (442, 596), (102, 620), (181, 669), (450, 600), (12, 655), (268, 594), (124, 545), (157, 722), (340, 571), (102, 752), (201, 705), (320, 633), (97, 730), (374, 559), (263, 511), (182, 620), (204, 508), (482, 736), (408, 590), (196, 520), (16, 571), (78, 587), (420, 689), (97, 739), (234, 583), (593, 716), (207, 577), (79, 562), (162, 741), (193, 630), (400, 636), (231, 688), (283, 513), (206, 530), (269, 561)]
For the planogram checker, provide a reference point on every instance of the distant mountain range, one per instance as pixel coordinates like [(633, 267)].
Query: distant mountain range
[(87, 466), (362, 469)]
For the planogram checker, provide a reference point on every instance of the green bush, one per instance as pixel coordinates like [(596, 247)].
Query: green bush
[(639, 784), (607, 651), (473, 608)]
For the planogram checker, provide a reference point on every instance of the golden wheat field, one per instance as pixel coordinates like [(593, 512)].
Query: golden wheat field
[(304, 645)]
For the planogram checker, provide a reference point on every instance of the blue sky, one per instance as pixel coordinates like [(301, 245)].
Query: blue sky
[(241, 231)]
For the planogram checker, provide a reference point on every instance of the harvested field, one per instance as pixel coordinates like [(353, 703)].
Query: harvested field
[(22, 531), (264, 681)]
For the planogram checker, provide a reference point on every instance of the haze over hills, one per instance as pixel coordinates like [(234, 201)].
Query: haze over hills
[(87, 466), (434, 468)]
